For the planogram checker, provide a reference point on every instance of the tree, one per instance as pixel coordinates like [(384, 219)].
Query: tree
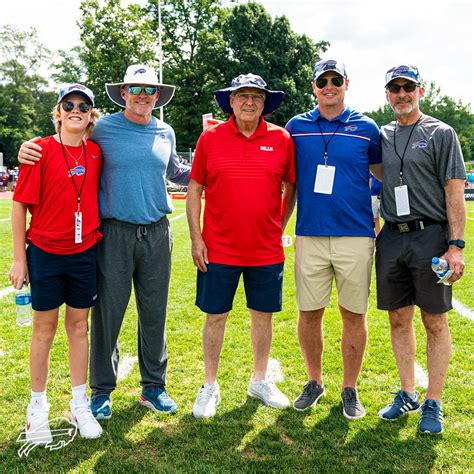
[(70, 67), (444, 108), (113, 38), (25, 106)]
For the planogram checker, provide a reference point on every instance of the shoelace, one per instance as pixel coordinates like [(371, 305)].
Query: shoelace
[(85, 413), (431, 412), (205, 394), (351, 399), (309, 389)]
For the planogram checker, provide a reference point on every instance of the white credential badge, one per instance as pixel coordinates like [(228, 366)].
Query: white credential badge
[(324, 179), (401, 200)]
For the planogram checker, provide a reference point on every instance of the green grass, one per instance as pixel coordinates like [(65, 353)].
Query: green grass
[(244, 435)]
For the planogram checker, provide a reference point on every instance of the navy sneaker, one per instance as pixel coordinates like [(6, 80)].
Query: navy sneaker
[(101, 407), (158, 400), (431, 421), (402, 405)]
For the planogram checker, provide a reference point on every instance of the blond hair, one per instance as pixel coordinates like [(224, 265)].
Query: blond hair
[(56, 115)]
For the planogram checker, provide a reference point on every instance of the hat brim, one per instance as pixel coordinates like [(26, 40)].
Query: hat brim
[(273, 99), (402, 77), (166, 94)]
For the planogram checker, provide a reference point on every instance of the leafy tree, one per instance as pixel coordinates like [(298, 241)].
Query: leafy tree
[(113, 38), (70, 67), (444, 108), (24, 105), (271, 49)]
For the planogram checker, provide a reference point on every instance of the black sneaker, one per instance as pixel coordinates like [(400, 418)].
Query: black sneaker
[(351, 405), (310, 395)]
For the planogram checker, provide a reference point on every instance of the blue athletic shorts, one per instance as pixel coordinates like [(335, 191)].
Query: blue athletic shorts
[(57, 279), (216, 288)]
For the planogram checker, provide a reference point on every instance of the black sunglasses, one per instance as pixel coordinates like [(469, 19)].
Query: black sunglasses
[(337, 81), (408, 87), (68, 106)]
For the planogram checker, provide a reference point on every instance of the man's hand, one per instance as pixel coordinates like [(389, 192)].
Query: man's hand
[(199, 253), (30, 152), (18, 274), (455, 259)]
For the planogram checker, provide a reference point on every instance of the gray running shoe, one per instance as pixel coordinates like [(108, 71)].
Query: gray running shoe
[(351, 405), (310, 395)]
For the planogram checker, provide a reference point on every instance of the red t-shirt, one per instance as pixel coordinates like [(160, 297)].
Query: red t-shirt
[(243, 178), (52, 198)]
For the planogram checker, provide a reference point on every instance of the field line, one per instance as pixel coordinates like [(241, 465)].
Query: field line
[(463, 310), (125, 366), (177, 217), (6, 220), (421, 377), (470, 218), (6, 291)]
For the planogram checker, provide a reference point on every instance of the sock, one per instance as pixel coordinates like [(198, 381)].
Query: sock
[(38, 399), (79, 395)]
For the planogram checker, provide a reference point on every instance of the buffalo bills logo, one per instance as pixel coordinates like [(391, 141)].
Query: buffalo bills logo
[(350, 128), (328, 65), (139, 71), (75, 87), (78, 171), (419, 144)]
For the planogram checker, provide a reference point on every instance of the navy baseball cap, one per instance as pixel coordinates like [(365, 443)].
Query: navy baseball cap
[(76, 89), (404, 71), (329, 65)]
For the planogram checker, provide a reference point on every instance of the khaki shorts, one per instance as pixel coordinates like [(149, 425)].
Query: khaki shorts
[(320, 259)]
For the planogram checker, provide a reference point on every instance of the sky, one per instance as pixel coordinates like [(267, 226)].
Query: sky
[(369, 36)]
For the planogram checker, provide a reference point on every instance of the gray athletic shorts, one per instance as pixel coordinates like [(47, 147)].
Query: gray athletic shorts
[(403, 266)]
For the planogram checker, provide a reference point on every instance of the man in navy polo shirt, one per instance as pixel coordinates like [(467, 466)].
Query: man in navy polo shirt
[(336, 148)]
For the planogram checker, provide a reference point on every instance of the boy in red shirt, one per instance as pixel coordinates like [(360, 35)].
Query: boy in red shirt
[(61, 193)]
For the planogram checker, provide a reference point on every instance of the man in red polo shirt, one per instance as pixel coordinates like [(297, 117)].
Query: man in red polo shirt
[(242, 164)]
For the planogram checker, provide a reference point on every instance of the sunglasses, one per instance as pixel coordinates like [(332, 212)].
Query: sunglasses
[(68, 106), (244, 96), (408, 87), (137, 90), (337, 81)]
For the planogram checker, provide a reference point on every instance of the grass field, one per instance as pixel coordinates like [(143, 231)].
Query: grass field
[(245, 435)]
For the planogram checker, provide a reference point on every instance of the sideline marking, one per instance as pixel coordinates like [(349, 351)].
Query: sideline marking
[(125, 366), (463, 310), (421, 377), (177, 217), (6, 220), (6, 291), (470, 218)]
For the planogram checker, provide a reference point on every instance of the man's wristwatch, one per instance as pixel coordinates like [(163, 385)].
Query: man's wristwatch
[(458, 243)]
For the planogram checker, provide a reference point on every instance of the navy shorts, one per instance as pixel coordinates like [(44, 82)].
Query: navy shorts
[(57, 279), (216, 288)]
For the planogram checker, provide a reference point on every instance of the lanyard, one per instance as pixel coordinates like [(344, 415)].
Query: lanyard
[(78, 191), (401, 158), (326, 143)]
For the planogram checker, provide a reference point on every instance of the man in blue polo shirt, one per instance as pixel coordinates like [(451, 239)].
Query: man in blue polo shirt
[(336, 148)]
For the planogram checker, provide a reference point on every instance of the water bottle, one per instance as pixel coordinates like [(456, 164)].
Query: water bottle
[(441, 268), (23, 306)]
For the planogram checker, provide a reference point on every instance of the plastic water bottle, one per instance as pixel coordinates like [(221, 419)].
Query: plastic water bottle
[(23, 306), (441, 268)]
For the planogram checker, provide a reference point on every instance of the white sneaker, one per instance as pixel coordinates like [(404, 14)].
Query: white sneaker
[(37, 425), (268, 393), (207, 399), (82, 416)]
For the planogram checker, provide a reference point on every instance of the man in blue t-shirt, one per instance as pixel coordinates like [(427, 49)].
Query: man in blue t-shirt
[(336, 147), (136, 244)]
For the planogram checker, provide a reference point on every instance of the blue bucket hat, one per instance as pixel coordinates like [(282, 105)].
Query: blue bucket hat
[(76, 89), (329, 65), (405, 71), (272, 98)]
